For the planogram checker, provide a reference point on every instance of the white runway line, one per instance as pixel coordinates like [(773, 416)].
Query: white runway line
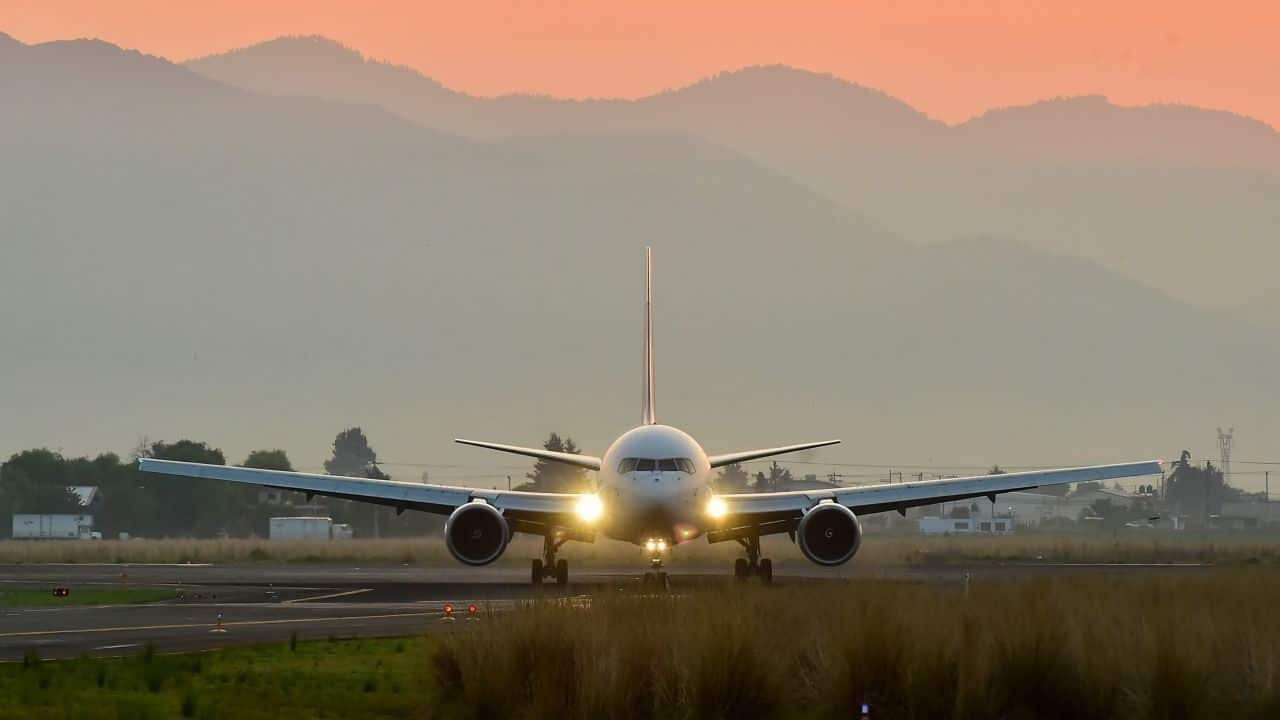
[(327, 597)]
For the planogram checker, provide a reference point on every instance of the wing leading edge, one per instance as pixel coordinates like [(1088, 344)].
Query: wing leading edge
[(582, 461), (737, 457), (527, 511), (780, 511)]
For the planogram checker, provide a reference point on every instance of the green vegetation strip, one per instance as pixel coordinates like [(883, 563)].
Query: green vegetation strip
[(30, 597), (345, 679)]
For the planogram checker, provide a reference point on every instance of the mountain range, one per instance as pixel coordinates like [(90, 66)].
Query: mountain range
[(185, 256), (1178, 197)]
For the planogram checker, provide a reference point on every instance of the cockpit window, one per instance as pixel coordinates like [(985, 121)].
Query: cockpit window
[(684, 465)]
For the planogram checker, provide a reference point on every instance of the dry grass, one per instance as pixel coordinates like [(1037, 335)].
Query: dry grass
[(878, 550), (1147, 647)]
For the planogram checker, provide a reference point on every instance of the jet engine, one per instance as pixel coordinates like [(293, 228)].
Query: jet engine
[(476, 533), (829, 534)]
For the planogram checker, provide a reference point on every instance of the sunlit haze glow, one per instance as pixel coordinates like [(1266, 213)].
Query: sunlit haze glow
[(951, 59)]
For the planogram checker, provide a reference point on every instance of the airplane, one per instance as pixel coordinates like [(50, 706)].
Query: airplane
[(654, 488)]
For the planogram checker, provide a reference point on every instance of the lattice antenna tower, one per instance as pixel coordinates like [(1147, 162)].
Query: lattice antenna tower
[(1224, 448)]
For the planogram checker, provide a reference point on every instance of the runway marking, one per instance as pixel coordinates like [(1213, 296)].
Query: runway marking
[(327, 597), (240, 623), (117, 647)]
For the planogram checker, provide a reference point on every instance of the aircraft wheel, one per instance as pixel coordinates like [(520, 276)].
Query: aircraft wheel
[(536, 573), (562, 572), (646, 583), (766, 571), (664, 583), (741, 569)]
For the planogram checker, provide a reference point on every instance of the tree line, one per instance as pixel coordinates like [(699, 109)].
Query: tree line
[(158, 506)]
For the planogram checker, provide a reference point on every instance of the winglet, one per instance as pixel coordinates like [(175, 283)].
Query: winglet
[(649, 416)]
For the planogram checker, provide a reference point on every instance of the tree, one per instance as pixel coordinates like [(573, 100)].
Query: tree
[(188, 451), (268, 460), (352, 455), (1196, 491), (732, 479), (552, 476), (36, 481), (777, 479), (195, 507)]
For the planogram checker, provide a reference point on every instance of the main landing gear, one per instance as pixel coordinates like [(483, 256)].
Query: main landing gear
[(549, 566), (753, 564)]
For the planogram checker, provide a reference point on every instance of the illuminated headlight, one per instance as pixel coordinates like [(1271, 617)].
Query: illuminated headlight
[(716, 508), (589, 508), (662, 545), (651, 545)]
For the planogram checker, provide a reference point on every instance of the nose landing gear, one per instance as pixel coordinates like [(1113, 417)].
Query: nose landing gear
[(753, 564), (549, 566), (656, 580)]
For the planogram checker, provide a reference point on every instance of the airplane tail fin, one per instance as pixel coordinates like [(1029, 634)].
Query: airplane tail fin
[(649, 416)]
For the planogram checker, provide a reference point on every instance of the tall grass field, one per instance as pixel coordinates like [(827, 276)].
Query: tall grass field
[(1083, 647)]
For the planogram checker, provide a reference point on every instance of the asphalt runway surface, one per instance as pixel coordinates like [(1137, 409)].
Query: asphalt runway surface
[(269, 603)]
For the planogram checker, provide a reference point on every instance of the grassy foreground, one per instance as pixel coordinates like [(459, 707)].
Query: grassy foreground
[(1199, 647), (25, 597), (1146, 546), (347, 679), (1202, 646)]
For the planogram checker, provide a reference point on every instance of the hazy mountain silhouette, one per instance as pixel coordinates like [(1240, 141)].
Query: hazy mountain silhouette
[(1175, 196), (1093, 128), (189, 259)]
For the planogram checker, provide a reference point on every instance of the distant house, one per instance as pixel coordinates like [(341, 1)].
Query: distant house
[(1248, 515), (1026, 509), (1118, 498), (966, 526)]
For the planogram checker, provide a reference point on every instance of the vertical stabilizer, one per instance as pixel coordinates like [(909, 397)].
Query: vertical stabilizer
[(649, 417)]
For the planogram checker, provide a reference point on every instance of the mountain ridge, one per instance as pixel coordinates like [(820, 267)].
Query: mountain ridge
[(252, 269)]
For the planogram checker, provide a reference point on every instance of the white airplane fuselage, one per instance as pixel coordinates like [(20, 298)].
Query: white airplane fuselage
[(654, 483)]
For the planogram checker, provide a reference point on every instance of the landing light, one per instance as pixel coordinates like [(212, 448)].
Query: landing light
[(589, 508), (716, 508)]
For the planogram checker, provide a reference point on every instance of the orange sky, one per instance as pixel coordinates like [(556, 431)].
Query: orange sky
[(949, 58)]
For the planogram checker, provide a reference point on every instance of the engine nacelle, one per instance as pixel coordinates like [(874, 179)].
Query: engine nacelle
[(829, 534), (476, 533)]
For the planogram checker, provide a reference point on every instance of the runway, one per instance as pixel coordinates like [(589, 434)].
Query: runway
[(269, 603)]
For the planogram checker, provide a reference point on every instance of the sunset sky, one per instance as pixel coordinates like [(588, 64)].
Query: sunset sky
[(949, 58)]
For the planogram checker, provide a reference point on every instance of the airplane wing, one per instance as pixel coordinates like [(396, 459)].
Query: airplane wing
[(524, 511), (768, 513), (737, 457), (582, 461)]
